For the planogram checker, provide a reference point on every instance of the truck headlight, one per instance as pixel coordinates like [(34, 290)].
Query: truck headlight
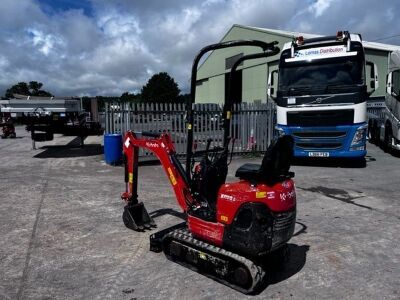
[(360, 134), (279, 131)]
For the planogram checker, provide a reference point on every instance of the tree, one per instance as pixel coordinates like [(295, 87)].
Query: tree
[(31, 89), (183, 98), (160, 88), (19, 88), (127, 97)]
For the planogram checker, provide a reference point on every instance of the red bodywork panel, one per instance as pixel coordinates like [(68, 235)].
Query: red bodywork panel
[(280, 197), (213, 232)]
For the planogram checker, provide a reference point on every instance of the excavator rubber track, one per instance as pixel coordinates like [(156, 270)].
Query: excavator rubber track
[(219, 264)]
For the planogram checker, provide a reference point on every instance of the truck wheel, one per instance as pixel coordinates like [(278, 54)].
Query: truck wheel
[(373, 134), (387, 143), (359, 163)]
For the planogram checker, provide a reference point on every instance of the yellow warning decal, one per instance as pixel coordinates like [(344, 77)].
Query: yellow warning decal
[(130, 177), (228, 114), (189, 126), (261, 195), (171, 176), (224, 218)]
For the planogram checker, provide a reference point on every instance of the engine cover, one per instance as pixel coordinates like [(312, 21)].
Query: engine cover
[(280, 197), (258, 218)]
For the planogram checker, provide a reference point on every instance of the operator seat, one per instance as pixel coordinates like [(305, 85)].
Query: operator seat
[(275, 164)]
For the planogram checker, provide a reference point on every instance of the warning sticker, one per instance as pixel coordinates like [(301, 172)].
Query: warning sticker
[(127, 142), (261, 195), (224, 218), (171, 176)]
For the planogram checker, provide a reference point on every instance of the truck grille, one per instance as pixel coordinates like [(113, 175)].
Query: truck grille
[(321, 146), (320, 117), (320, 139), (320, 134)]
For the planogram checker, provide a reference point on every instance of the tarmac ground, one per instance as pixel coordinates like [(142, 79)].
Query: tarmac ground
[(62, 236)]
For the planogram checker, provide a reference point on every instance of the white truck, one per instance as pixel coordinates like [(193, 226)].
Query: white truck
[(386, 129), (321, 95)]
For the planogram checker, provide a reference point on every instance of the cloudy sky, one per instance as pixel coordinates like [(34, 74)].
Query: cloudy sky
[(100, 47)]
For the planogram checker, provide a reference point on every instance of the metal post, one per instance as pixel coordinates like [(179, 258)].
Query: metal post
[(33, 135), (106, 117)]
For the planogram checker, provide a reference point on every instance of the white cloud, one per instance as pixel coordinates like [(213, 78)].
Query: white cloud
[(3, 62), (45, 43), (319, 7)]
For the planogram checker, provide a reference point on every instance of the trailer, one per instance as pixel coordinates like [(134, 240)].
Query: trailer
[(45, 116), (385, 129)]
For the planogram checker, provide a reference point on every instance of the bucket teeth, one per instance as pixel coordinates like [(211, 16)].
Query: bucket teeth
[(136, 217)]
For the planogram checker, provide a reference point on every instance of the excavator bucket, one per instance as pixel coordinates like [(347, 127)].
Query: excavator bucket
[(137, 218)]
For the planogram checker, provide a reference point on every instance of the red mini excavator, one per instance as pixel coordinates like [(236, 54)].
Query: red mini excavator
[(231, 229)]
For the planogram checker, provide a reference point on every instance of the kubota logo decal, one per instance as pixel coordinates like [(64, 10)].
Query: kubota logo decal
[(152, 145), (288, 196)]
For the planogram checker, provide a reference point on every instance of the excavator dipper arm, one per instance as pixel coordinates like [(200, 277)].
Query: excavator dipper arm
[(162, 146)]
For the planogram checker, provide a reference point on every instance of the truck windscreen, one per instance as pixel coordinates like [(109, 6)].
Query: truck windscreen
[(320, 74)]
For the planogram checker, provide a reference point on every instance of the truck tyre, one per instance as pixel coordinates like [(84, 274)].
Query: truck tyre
[(387, 143), (374, 138), (359, 163), (371, 132)]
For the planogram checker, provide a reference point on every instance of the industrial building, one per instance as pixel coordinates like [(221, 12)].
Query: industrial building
[(251, 78)]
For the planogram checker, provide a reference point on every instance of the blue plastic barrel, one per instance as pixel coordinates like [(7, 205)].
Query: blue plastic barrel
[(113, 148)]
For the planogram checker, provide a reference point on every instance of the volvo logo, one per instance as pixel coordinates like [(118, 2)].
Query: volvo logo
[(319, 100)]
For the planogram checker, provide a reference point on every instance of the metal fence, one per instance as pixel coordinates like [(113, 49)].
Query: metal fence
[(376, 109), (251, 126)]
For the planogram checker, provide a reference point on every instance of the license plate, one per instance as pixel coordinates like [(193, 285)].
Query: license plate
[(318, 154)]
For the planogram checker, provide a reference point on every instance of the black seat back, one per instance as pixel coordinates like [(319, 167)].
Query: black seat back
[(211, 175), (278, 158)]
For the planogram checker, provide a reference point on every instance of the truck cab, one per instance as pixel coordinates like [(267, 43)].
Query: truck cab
[(320, 91), (390, 127)]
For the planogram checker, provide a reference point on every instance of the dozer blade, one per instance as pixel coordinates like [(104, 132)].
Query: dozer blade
[(137, 218)]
